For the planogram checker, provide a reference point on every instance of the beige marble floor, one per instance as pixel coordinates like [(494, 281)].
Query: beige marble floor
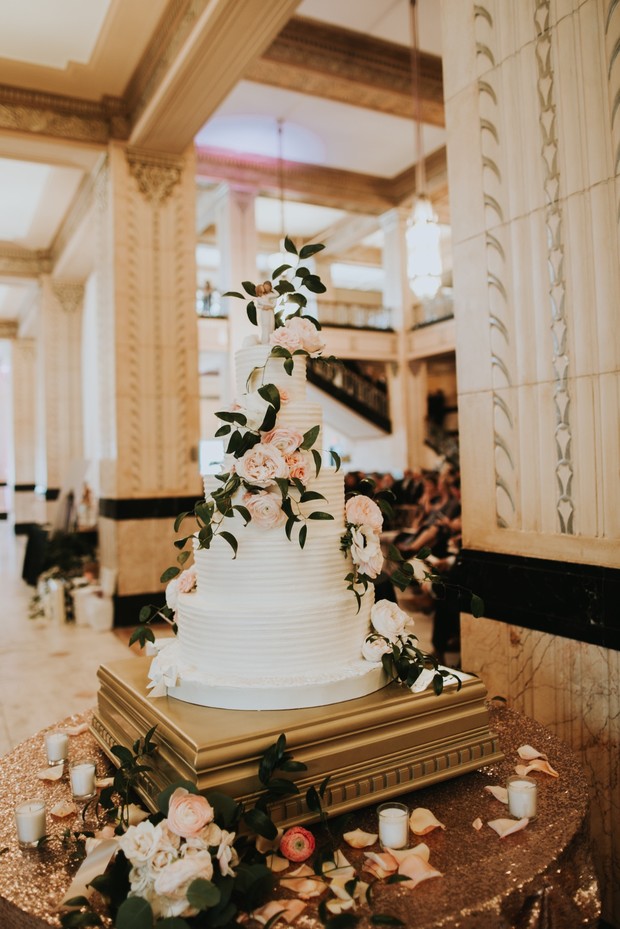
[(47, 670)]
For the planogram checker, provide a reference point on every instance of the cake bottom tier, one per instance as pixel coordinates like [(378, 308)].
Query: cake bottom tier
[(171, 674)]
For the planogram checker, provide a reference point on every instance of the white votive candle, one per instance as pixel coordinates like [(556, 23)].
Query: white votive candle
[(82, 777), (393, 825), (30, 822), (522, 792), (56, 746)]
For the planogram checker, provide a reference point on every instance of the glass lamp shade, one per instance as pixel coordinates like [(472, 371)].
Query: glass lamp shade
[(424, 256)]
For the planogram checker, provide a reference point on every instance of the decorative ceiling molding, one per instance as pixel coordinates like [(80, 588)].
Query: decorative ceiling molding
[(333, 187), (353, 68), (62, 117), (24, 263)]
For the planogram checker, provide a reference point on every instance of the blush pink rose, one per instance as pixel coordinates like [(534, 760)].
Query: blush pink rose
[(286, 338), (287, 440), (265, 509), (301, 466), (307, 333), (187, 581), (188, 813), (366, 551), (261, 465), (362, 511)]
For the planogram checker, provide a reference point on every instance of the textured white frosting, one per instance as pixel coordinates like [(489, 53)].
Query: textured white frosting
[(275, 626)]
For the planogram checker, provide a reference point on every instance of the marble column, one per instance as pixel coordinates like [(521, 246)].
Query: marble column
[(146, 331), (6, 430), (397, 296), (29, 506), (60, 451), (237, 243), (533, 140)]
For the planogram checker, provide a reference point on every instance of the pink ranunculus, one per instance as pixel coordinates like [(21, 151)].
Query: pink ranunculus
[(187, 581), (261, 465), (287, 440), (362, 511), (286, 338), (265, 509), (307, 333), (284, 396), (366, 551), (188, 813), (389, 620), (301, 466)]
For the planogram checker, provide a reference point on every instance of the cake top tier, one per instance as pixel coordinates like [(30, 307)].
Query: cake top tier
[(256, 366)]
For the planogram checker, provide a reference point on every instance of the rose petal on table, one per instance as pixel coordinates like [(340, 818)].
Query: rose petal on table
[(51, 774), (417, 869), (360, 839), (423, 821), (339, 867), (104, 782), (537, 764), (136, 814), (500, 793), (276, 863), (264, 845), (477, 824), (420, 849), (303, 870), (528, 752), (340, 906), (380, 864), (505, 827), (64, 808), (304, 887), (77, 730), (373, 868), (288, 910)]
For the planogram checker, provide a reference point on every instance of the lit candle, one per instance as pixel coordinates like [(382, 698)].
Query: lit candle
[(393, 825), (56, 746), (82, 776), (522, 792), (30, 822)]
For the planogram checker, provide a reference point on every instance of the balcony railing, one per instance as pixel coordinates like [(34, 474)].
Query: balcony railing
[(353, 389), (354, 315)]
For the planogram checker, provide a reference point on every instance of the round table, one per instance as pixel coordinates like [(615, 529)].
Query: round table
[(539, 878)]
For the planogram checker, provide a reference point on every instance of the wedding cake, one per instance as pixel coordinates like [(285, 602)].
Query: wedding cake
[(275, 611)]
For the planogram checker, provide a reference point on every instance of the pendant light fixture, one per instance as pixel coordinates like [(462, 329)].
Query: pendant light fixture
[(280, 257), (423, 233)]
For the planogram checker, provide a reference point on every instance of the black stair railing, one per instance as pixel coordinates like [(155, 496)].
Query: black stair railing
[(360, 393)]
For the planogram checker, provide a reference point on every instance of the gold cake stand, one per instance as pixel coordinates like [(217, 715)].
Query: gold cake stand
[(373, 748)]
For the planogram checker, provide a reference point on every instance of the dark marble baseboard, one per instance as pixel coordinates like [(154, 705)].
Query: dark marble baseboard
[(24, 488), (145, 508), (52, 493), (577, 601)]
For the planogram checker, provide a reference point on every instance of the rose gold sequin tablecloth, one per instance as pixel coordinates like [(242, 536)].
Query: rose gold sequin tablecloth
[(540, 878)]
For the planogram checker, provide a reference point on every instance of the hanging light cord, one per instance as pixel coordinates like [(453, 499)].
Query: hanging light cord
[(281, 177)]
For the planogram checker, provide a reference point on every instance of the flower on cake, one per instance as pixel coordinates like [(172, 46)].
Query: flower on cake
[(262, 465), (363, 511), (390, 621), (298, 332), (254, 407), (286, 440), (185, 583), (301, 466), (265, 508), (366, 551), (286, 338)]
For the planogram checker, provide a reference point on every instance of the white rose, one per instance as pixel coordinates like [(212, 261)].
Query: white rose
[(172, 594), (140, 842), (141, 882), (366, 551), (174, 881), (226, 854), (362, 511), (265, 509), (261, 465), (307, 333), (420, 570), (374, 648), (389, 620), (254, 408)]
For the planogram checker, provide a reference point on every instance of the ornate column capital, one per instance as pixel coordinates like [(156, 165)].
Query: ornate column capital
[(69, 294), (156, 175)]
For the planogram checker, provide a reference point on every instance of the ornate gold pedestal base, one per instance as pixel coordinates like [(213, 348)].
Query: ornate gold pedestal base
[(373, 748)]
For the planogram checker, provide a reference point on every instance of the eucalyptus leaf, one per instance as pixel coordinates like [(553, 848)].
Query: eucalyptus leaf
[(288, 366), (142, 635), (336, 459), (289, 245), (243, 512), (280, 270), (169, 574), (229, 537), (307, 251), (203, 894), (284, 287), (314, 284), (308, 495), (303, 533), (249, 288), (319, 514), (318, 461), (233, 293), (302, 272), (223, 430), (477, 605), (134, 913), (299, 299), (279, 351), (179, 520), (145, 614), (310, 437), (251, 313), (271, 394), (260, 823)]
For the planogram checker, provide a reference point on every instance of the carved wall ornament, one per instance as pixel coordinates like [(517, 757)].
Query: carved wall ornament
[(156, 176), (23, 262), (69, 294), (62, 117), (555, 264), (501, 310)]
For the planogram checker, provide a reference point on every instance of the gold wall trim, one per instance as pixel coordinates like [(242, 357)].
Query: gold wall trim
[(23, 262), (62, 117)]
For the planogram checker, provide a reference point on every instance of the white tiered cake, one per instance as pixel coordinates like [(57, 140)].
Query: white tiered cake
[(276, 626)]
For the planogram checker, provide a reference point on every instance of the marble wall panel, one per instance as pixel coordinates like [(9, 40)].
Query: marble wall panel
[(572, 688), (459, 46), (465, 173), (473, 333)]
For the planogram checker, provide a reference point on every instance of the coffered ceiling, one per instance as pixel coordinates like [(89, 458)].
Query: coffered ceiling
[(336, 74)]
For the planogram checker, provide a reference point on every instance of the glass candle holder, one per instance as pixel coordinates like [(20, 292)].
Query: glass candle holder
[(82, 777), (393, 825), (30, 822), (522, 796), (56, 747)]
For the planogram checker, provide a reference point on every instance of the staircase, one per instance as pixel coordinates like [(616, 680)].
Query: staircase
[(361, 394)]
